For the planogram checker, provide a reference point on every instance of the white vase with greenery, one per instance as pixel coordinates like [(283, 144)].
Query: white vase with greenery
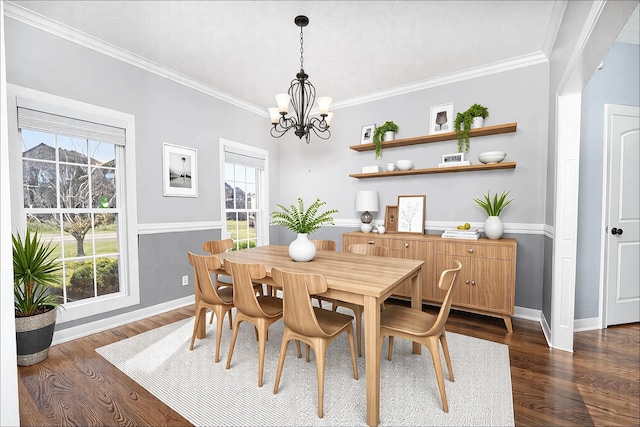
[(302, 222), (493, 226)]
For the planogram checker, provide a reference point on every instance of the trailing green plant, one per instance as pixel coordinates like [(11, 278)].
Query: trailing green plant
[(34, 275), (301, 221), (493, 207), (378, 135), (462, 124)]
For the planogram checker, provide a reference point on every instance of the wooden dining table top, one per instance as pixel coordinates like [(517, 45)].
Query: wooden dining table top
[(345, 272)]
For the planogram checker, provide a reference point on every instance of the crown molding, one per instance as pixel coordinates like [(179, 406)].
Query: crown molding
[(65, 32)]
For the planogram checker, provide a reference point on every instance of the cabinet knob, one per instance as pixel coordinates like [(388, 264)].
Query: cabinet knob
[(406, 245), (371, 242), (473, 282), (470, 250), (466, 282)]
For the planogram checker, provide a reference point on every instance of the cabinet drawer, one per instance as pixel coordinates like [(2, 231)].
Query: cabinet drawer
[(474, 249)]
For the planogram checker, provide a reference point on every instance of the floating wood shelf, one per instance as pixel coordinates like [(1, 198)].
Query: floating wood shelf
[(484, 131), (448, 169)]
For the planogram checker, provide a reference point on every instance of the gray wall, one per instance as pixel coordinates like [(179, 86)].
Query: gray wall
[(618, 82), (165, 111)]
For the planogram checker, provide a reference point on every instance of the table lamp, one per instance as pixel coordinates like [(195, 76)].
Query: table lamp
[(366, 202)]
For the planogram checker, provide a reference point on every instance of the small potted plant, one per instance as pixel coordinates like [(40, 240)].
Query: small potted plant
[(465, 121), (386, 132), (493, 227), (302, 222), (35, 275)]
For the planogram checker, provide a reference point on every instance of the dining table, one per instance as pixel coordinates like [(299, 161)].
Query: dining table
[(361, 279)]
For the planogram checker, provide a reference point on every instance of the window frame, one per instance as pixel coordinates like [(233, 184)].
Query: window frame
[(129, 294), (262, 188)]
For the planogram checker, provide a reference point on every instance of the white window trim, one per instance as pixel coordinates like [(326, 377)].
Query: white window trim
[(263, 186), (130, 289)]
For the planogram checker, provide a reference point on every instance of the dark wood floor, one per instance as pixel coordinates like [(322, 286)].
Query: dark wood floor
[(597, 385)]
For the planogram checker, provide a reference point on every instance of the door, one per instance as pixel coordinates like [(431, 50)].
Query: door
[(622, 247)]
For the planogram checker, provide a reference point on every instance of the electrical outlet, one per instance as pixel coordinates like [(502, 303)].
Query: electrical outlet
[(185, 280)]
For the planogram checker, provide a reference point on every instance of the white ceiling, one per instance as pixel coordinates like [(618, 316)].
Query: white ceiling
[(352, 49)]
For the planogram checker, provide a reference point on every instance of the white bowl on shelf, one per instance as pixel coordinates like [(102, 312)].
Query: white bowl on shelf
[(404, 165), (492, 156)]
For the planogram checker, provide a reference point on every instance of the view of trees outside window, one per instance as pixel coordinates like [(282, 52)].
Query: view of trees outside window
[(241, 204), (70, 198)]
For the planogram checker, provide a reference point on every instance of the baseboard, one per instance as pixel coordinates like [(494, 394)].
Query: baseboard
[(546, 330), (589, 324), (83, 330), (527, 314)]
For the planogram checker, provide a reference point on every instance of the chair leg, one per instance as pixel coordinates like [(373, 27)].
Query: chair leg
[(447, 358), (236, 326), (283, 354), (432, 345), (320, 350), (219, 311), (230, 320), (390, 347), (353, 351), (298, 348), (262, 329), (195, 326), (358, 316)]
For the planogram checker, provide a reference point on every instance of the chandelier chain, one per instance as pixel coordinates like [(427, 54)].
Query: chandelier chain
[(301, 51)]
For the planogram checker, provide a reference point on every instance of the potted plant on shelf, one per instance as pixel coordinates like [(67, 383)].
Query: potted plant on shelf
[(302, 222), (35, 275), (386, 132), (493, 227), (465, 121)]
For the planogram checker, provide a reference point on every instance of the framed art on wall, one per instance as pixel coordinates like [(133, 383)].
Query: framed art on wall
[(366, 134), (411, 211), (441, 119), (179, 171)]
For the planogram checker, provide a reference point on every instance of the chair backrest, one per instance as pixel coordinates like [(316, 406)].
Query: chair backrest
[(297, 312), (325, 245), (448, 279), (203, 265), (217, 246), (244, 295), (366, 249)]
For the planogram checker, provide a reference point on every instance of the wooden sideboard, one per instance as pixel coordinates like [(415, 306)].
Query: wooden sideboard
[(487, 280)]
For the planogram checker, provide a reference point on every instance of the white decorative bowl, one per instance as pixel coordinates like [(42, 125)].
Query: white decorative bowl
[(404, 165), (492, 156)]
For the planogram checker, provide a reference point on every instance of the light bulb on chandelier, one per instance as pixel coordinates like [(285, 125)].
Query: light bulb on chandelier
[(301, 95)]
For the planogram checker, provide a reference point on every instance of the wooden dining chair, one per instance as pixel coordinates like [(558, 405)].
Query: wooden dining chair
[(424, 328), (218, 247), (361, 249), (261, 311), (314, 326), (219, 300)]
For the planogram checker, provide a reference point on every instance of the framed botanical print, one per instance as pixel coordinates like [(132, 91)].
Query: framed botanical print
[(411, 214)]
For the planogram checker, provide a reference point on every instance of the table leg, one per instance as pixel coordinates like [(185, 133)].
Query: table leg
[(416, 303), (372, 358)]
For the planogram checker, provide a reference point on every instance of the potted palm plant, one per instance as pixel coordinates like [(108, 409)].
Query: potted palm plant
[(35, 274), (386, 132), (302, 222), (465, 121), (493, 227)]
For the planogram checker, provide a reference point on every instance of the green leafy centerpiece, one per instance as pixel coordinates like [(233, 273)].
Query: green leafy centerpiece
[(302, 222)]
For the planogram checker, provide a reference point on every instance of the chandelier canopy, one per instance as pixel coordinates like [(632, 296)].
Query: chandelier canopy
[(301, 95)]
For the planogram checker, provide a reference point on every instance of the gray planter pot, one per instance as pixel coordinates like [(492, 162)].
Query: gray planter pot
[(33, 337)]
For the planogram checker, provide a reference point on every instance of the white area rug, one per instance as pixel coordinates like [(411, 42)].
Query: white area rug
[(208, 395)]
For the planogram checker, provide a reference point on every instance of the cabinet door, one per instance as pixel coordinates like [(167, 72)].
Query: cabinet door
[(461, 291), (492, 285), (423, 251), (352, 240)]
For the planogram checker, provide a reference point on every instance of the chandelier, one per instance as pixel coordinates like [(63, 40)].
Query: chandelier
[(301, 95)]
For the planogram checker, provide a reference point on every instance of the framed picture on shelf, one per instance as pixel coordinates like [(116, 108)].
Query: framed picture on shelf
[(441, 119), (366, 134), (179, 171), (411, 212), (391, 219)]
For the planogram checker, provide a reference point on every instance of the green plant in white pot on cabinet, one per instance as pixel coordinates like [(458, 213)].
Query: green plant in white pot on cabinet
[(302, 222), (493, 227), (35, 277)]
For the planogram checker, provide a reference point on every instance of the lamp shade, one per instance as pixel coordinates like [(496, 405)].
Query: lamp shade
[(367, 200)]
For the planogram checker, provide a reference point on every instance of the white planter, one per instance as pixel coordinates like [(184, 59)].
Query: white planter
[(477, 122), (302, 249), (389, 136), (493, 227)]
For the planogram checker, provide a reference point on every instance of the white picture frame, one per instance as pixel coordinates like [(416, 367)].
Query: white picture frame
[(441, 119), (411, 214), (366, 134), (179, 171)]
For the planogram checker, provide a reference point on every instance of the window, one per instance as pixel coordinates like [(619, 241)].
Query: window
[(245, 217), (75, 167)]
